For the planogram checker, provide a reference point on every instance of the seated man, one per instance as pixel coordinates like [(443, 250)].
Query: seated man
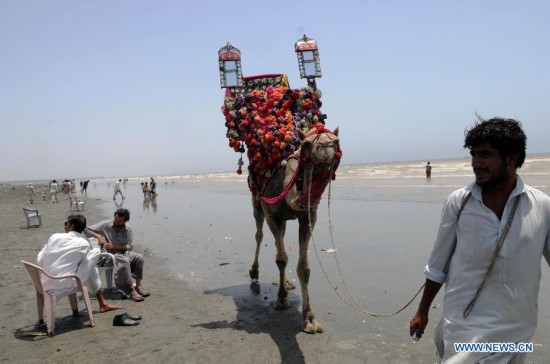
[(69, 253), (118, 240)]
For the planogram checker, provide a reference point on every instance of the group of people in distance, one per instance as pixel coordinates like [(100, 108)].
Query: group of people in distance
[(149, 189), (72, 253), (492, 237), (52, 188)]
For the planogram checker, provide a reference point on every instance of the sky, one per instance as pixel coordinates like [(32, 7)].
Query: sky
[(123, 88)]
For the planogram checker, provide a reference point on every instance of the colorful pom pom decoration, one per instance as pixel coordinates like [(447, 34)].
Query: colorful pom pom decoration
[(265, 118)]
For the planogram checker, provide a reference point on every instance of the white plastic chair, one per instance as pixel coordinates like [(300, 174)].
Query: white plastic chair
[(31, 213), (46, 195), (109, 262), (48, 301), (77, 204)]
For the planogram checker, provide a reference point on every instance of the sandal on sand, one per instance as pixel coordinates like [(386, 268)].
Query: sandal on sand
[(142, 292), (135, 298)]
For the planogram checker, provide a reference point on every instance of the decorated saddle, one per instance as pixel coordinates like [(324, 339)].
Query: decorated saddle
[(263, 117)]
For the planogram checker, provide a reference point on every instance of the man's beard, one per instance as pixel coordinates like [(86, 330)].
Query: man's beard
[(495, 180)]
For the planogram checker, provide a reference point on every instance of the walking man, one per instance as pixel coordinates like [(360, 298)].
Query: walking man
[(30, 193), (117, 189), (491, 239)]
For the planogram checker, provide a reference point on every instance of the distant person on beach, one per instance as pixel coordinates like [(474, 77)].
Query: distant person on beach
[(73, 187), (45, 192), (119, 240), (66, 188), (85, 187), (491, 239), (69, 253), (54, 191), (117, 189), (30, 193), (153, 187), (145, 189), (428, 171)]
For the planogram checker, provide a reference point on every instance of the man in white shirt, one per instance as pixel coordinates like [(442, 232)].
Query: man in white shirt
[(70, 253), (492, 237), (117, 189), (30, 192)]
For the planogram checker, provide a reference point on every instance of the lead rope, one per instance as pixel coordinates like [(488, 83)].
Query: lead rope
[(357, 306), (493, 260)]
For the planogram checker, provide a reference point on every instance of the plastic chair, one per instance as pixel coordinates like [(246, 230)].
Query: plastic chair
[(77, 204), (107, 258), (44, 300), (46, 196), (32, 213)]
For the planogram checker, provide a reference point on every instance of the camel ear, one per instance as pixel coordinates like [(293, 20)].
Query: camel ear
[(335, 132), (301, 134)]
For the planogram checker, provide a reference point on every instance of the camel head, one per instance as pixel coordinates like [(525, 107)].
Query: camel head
[(320, 146)]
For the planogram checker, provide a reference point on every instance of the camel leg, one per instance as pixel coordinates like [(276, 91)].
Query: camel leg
[(277, 227), (259, 216), (288, 284), (311, 325)]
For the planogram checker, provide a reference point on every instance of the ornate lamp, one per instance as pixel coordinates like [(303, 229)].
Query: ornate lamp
[(231, 75), (308, 59)]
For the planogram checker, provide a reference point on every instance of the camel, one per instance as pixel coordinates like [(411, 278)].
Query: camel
[(300, 180)]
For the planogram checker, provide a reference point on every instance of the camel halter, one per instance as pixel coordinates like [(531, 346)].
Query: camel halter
[(303, 160)]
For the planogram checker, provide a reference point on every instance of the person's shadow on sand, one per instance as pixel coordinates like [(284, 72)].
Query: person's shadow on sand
[(256, 315)]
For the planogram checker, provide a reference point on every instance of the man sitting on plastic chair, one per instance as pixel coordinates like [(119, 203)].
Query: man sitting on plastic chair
[(70, 253)]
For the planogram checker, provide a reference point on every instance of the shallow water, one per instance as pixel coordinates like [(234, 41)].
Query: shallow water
[(384, 219)]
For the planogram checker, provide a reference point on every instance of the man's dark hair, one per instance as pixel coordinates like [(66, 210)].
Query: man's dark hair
[(78, 222), (123, 213), (505, 135)]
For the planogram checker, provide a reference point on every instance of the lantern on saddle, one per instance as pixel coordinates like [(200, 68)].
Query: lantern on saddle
[(308, 60), (231, 75), (263, 114)]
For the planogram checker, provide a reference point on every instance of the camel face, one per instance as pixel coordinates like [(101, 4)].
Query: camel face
[(322, 150)]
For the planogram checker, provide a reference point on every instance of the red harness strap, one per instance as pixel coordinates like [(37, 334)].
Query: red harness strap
[(288, 187)]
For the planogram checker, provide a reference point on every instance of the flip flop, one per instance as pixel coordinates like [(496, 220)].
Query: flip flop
[(136, 299), (142, 293)]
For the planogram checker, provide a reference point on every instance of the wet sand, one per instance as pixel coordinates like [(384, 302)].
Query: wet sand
[(198, 239)]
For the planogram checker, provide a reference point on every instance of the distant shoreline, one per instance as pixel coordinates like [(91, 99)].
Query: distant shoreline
[(40, 181)]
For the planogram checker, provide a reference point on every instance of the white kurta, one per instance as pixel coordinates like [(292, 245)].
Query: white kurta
[(506, 309), (69, 253)]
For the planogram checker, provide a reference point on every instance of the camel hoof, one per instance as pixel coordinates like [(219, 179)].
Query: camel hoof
[(312, 327), (255, 287), (282, 304), (254, 274)]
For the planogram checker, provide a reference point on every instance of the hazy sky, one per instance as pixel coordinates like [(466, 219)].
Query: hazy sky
[(131, 87)]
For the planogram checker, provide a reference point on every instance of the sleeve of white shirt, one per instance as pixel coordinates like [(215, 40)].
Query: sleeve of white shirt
[(88, 263), (546, 251), (40, 258), (445, 241)]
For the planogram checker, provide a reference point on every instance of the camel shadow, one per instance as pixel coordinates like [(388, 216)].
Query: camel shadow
[(256, 315)]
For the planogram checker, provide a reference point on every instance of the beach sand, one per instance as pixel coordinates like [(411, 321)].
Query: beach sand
[(198, 242)]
